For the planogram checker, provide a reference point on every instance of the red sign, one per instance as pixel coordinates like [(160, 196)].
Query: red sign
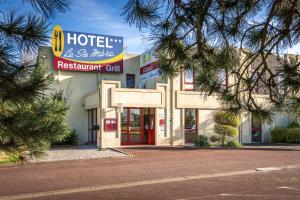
[(67, 65), (149, 67), (161, 122), (110, 124)]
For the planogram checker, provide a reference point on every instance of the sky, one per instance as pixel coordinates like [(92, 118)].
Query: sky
[(92, 16), (98, 17)]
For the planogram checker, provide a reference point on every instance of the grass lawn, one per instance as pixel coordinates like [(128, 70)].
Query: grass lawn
[(8, 158)]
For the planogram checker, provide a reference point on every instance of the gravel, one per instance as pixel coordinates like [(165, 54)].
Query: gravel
[(77, 153)]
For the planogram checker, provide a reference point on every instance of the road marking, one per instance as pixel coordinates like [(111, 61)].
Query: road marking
[(288, 188), (268, 169), (131, 184), (259, 195)]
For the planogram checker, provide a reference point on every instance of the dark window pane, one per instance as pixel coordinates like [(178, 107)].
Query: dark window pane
[(130, 80)]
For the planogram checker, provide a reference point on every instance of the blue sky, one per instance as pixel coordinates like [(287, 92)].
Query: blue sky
[(93, 16), (101, 17)]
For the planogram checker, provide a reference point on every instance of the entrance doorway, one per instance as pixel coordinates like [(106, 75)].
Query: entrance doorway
[(256, 130), (92, 126), (190, 125), (138, 126)]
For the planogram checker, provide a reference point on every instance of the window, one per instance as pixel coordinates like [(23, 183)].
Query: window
[(189, 79), (280, 79), (222, 77), (130, 80), (254, 79)]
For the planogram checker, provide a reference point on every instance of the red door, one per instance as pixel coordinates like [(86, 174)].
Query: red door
[(138, 126), (151, 123)]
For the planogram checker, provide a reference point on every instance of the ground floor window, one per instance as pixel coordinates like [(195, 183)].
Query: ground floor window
[(190, 124), (256, 130), (138, 126), (92, 126)]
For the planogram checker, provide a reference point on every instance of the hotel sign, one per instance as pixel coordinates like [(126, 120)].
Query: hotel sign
[(85, 52)]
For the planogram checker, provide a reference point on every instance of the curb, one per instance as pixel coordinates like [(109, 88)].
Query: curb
[(120, 151)]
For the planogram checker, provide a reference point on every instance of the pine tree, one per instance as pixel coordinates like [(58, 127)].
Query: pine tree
[(242, 37), (29, 119)]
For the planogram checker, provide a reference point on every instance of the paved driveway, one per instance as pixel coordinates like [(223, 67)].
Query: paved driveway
[(85, 178)]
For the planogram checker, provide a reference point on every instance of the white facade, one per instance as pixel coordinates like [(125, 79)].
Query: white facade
[(166, 97)]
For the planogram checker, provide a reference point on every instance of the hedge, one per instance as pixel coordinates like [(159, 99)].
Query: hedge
[(293, 136), (286, 135), (279, 134)]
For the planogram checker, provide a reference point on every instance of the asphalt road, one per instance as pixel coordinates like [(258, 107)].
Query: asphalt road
[(160, 173)]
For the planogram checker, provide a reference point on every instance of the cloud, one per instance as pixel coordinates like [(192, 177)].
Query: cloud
[(103, 18)]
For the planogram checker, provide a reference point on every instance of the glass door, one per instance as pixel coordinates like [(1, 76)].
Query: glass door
[(131, 126), (256, 130), (135, 121), (190, 128), (138, 126)]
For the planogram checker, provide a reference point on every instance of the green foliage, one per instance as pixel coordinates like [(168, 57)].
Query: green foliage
[(29, 120), (293, 136), (226, 130), (211, 35), (201, 141), (293, 125), (227, 118), (216, 139), (279, 134), (234, 144), (225, 127), (285, 135), (69, 139), (8, 158), (31, 127)]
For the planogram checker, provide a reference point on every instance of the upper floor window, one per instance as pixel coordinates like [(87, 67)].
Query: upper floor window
[(189, 82), (280, 79), (223, 79), (130, 80)]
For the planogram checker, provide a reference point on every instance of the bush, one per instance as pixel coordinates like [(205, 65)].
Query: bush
[(201, 141), (293, 136), (227, 118), (226, 129), (234, 144), (70, 139), (279, 134), (286, 135), (293, 125), (216, 138)]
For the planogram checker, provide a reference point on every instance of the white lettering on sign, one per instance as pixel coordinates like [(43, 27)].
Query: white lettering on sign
[(90, 40)]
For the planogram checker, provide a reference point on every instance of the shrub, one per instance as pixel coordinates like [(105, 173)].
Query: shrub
[(70, 139), (279, 134), (226, 124), (234, 144), (293, 136), (293, 125), (227, 118), (226, 130), (216, 138), (201, 141)]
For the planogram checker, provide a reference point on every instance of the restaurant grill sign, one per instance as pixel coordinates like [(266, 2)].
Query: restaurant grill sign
[(85, 52)]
